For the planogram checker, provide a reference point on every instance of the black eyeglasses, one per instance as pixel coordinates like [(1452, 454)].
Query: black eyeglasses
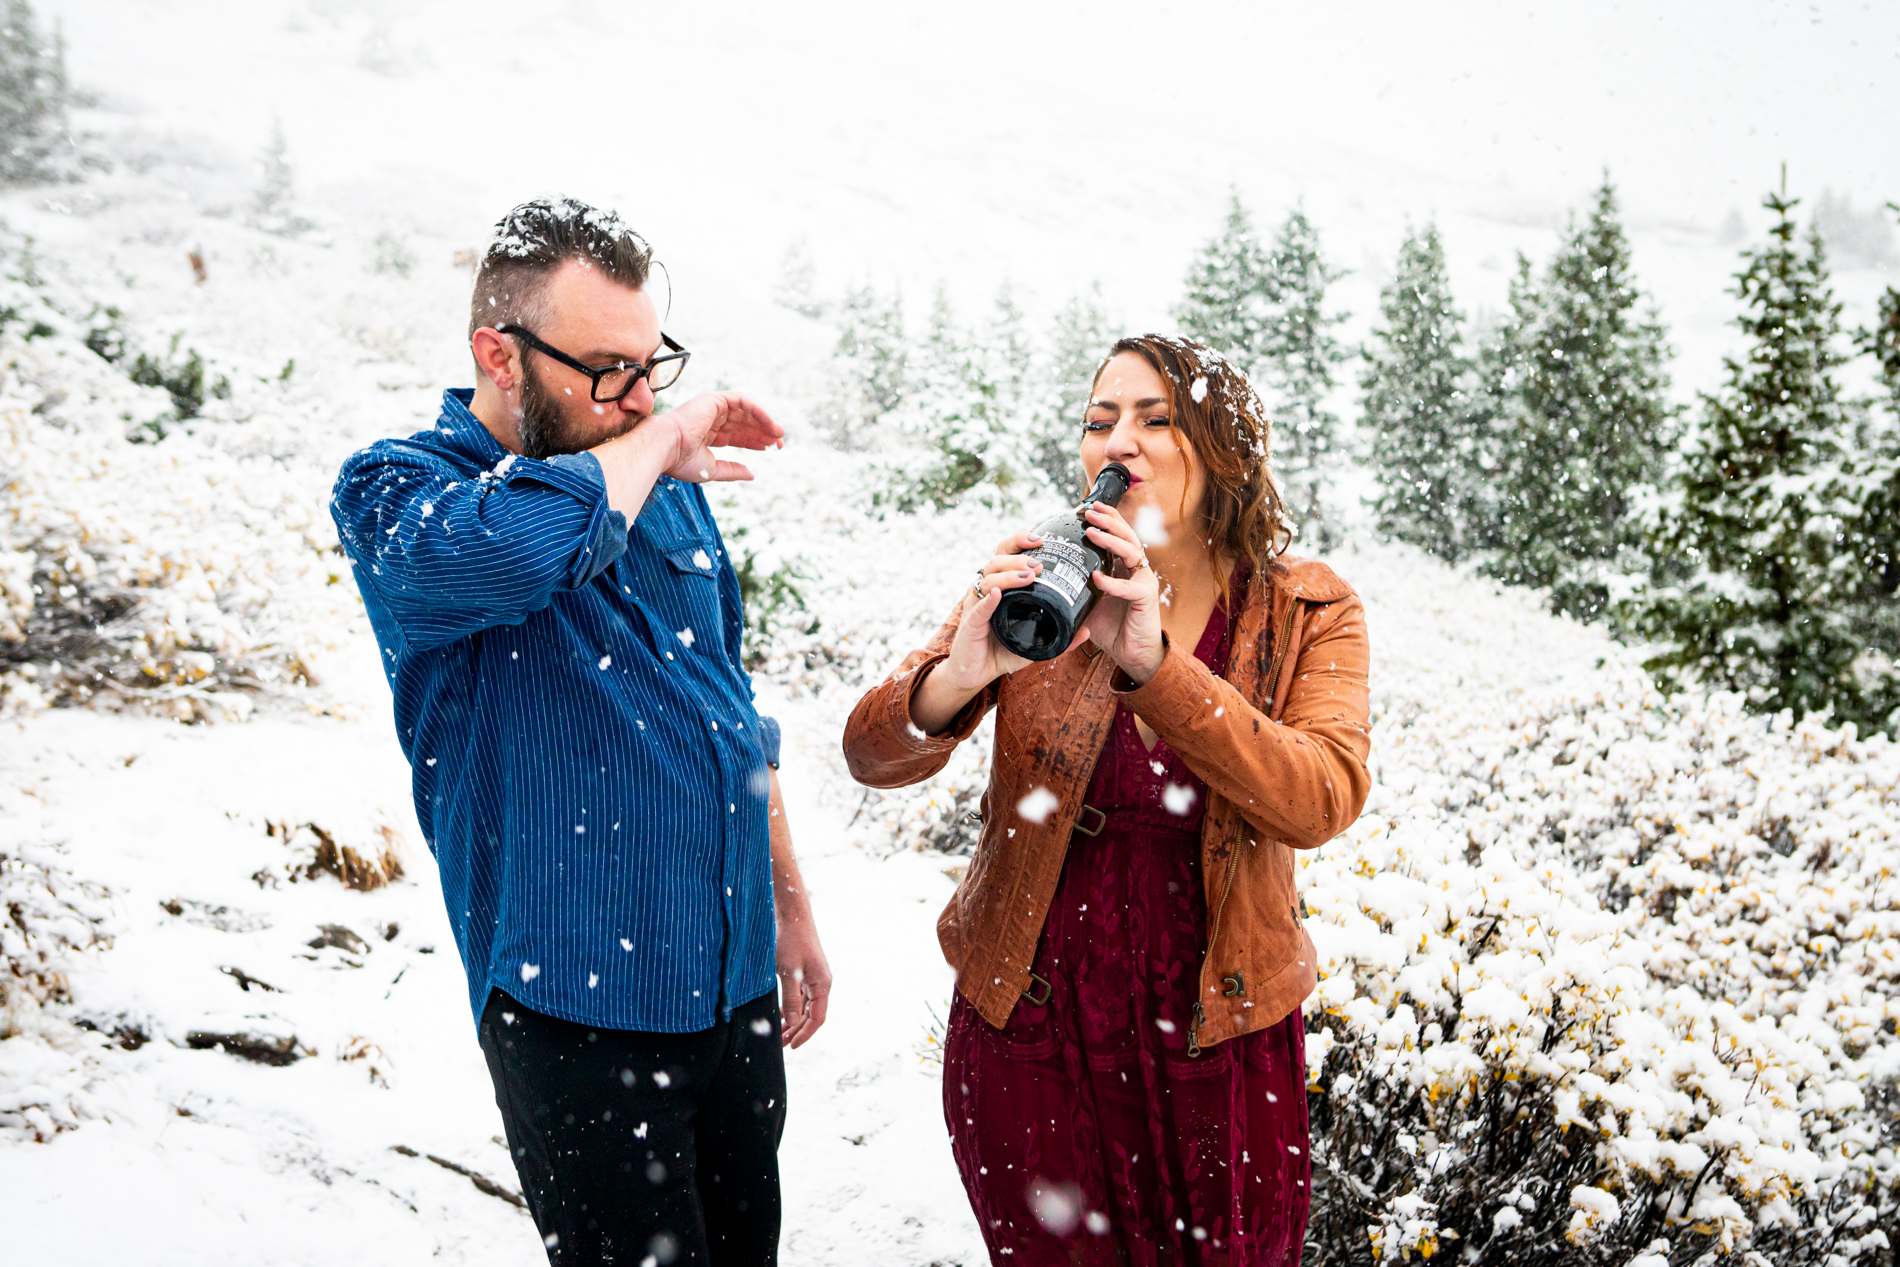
[(611, 382)]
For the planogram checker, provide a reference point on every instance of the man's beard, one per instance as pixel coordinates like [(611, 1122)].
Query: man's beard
[(546, 432)]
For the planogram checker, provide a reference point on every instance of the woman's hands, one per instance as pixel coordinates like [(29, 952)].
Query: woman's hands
[(977, 657), (1126, 622)]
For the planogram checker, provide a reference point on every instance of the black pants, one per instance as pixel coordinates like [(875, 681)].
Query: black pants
[(632, 1144)]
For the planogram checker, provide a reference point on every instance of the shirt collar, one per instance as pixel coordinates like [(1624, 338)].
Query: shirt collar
[(459, 428)]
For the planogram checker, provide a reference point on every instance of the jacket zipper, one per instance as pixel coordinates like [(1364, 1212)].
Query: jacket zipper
[(1233, 854)]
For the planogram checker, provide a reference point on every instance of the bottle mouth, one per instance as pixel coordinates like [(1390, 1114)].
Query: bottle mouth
[(1107, 478)]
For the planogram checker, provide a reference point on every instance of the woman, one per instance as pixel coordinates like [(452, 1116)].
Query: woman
[(1124, 1072)]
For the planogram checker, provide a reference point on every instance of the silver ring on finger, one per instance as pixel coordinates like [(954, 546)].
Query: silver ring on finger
[(976, 587)]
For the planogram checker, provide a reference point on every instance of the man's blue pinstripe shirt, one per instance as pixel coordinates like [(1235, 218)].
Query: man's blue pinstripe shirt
[(588, 768)]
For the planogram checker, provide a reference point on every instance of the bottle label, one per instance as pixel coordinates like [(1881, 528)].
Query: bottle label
[(1065, 568)]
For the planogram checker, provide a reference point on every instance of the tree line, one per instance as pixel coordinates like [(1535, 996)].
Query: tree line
[(1746, 541)]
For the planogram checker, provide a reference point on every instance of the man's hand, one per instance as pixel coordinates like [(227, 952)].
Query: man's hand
[(715, 420), (680, 443), (804, 978)]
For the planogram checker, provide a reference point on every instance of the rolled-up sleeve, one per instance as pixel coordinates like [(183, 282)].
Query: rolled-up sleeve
[(769, 740), (450, 555)]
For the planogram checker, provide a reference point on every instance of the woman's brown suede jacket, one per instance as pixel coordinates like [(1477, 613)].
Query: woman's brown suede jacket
[(1281, 741)]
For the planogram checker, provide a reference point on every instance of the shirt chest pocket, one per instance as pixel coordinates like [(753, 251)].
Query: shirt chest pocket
[(692, 567)]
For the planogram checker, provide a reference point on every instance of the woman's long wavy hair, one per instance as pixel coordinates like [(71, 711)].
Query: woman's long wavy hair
[(1211, 403)]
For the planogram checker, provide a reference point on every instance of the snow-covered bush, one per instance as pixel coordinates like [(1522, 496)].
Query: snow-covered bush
[(176, 575), (1608, 974), (49, 921), (364, 855), (46, 919)]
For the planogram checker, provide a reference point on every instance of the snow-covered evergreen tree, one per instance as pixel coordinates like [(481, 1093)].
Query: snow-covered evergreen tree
[(797, 282), (1417, 404), (1230, 288), (1875, 534), (868, 367), (1264, 310), (1583, 427), (1882, 340), (1005, 361), (1764, 600), (1299, 370), (1078, 340), (273, 205), (33, 98), (949, 418)]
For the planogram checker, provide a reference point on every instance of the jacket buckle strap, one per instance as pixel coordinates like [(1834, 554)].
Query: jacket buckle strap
[(1101, 821), (1036, 984), (1235, 984)]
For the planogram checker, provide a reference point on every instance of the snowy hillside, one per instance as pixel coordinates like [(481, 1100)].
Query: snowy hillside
[(1661, 925)]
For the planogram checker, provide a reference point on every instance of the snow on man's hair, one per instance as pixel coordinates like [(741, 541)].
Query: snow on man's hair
[(538, 237)]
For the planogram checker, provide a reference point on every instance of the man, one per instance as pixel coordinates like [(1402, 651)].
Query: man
[(560, 625)]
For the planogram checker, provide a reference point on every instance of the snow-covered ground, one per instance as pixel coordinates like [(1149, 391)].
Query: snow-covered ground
[(1049, 147)]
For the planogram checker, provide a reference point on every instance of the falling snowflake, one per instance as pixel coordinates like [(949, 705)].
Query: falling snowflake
[(1057, 1207), (1151, 526), (686, 636), (1038, 805), (606, 660), (529, 971), (1177, 799)]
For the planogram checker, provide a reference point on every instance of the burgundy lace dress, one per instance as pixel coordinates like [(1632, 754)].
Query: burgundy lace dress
[(1084, 1132)]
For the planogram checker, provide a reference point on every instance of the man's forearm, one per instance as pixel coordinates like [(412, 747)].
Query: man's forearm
[(788, 887), (632, 464)]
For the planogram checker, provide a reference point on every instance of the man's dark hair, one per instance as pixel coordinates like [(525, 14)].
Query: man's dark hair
[(534, 240)]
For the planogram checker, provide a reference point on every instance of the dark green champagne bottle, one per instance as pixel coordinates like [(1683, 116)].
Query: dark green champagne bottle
[(1037, 620)]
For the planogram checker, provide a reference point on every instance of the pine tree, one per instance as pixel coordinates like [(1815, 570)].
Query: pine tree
[(1006, 361), (1298, 359), (796, 283), (33, 99), (1078, 341), (963, 416), (1583, 425), (273, 206), (868, 368), (1264, 310), (1417, 404), (1765, 602), (945, 416), (1882, 340), (1230, 287), (1875, 534)]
